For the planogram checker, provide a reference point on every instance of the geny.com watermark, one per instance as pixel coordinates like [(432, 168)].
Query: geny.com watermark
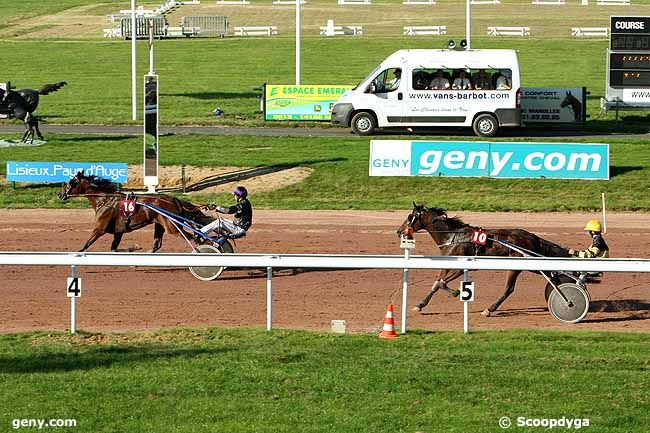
[(548, 423), (42, 423)]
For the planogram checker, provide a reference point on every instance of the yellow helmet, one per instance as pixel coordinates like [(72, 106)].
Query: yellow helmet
[(593, 226)]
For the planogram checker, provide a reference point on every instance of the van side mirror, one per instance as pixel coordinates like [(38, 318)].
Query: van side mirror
[(372, 88)]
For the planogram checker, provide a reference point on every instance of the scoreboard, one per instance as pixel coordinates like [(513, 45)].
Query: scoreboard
[(628, 63)]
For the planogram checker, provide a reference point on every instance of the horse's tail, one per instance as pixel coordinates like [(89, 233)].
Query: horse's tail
[(50, 88), (551, 249)]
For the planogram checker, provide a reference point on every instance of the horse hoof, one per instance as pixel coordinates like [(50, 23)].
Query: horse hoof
[(486, 313), (416, 309), (454, 293)]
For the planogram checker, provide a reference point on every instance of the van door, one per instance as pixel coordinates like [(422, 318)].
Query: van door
[(387, 96), (432, 102)]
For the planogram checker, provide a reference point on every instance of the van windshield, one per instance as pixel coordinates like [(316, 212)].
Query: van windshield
[(372, 74)]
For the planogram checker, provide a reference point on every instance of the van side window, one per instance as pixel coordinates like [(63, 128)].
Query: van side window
[(482, 79), (388, 81), (502, 79), (431, 79)]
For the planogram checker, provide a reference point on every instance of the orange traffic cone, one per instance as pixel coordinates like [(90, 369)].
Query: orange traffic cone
[(389, 324)]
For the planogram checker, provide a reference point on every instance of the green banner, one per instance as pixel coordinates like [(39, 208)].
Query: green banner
[(301, 102)]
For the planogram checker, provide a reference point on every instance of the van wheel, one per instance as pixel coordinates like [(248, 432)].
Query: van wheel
[(363, 123), (485, 125)]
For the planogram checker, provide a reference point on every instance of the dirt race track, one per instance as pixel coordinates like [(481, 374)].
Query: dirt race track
[(121, 299)]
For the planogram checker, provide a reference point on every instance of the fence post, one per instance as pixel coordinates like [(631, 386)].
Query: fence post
[(465, 306), (269, 297), (405, 290), (73, 304)]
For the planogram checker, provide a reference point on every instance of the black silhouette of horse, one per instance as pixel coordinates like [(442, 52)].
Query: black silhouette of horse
[(575, 104), (22, 103), (453, 237)]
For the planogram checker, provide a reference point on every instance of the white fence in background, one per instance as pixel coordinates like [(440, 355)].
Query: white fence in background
[(292, 261), (485, 2), (256, 31), (548, 2), (355, 2), (613, 2), (508, 31), (331, 30), (288, 2), (582, 32), (425, 30), (419, 2)]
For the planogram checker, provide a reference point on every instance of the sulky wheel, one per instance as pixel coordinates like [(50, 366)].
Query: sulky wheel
[(207, 273), (573, 311), (226, 248), (557, 280)]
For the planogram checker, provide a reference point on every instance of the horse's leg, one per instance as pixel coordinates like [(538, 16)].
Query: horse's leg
[(511, 279), (93, 237), (25, 136), (444, 277), (117, 238), (38, 131), (158, 233)]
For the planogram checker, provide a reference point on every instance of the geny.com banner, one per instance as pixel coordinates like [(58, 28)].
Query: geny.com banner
[(489, 159)]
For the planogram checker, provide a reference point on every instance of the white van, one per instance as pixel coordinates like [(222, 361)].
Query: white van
[(427, 88)]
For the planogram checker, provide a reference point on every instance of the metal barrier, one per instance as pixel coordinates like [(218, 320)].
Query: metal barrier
[(290, 261), (207, 26), (142, 27)]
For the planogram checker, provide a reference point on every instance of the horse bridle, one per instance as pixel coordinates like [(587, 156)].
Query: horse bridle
[(72, 183)]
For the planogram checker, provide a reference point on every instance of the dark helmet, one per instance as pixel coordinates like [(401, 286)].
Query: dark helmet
[(240, 191)]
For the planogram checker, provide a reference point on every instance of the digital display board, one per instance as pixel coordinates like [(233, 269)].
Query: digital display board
[(629, 79), (630, 42), (629, 54), (629, 60)]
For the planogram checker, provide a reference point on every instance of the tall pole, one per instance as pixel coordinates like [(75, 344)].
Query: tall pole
[(134, 97), (468, 23), (297, 42), (151, 47)]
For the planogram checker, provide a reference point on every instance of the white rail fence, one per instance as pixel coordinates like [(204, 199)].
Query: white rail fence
[(292, 261)]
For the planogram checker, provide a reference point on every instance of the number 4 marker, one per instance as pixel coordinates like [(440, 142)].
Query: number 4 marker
[(74, 287)]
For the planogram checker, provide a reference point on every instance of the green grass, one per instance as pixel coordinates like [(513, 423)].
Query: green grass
[(250, 380), (198, 75), (340, 178)]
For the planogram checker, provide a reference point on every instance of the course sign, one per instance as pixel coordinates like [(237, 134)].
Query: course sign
[(285, 102), (21, 171), (489, 159)]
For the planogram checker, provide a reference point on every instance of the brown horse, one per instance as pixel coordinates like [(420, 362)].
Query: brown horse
[(454, 238), (106, 200)]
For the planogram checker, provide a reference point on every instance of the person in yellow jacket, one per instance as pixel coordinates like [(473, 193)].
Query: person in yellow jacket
[(598, 248)]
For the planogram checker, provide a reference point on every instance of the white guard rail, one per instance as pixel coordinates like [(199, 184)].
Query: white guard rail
[(325, 261), (284, 261)]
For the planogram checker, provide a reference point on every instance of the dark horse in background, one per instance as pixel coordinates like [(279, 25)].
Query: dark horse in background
[(22, 103), (454, 238), (104, 197)]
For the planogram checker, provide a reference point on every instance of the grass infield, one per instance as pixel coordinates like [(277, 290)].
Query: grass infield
[(250, 380), (340, 179)]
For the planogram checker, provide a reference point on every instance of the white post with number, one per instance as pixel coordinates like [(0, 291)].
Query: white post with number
[(466, 296), (407, 244), (73, 291)]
